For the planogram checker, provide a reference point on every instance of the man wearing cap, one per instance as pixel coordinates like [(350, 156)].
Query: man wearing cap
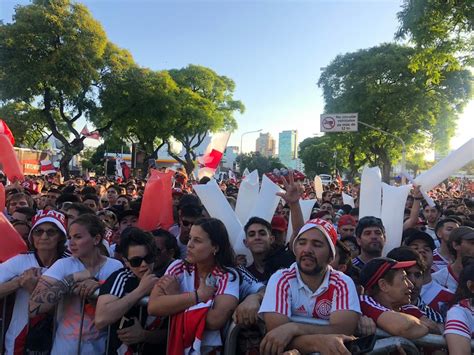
[(21, 273), (128, 218), (346, 226), (370, 235), (308, 288), (461, 245), (442, 256), (387, 298), (279, 229), (432, 294)]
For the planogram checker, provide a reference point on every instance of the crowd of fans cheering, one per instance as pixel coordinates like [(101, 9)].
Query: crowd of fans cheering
[(90, 269)]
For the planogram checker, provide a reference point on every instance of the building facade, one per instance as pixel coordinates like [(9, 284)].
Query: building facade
[(288, 148), (265, 145)]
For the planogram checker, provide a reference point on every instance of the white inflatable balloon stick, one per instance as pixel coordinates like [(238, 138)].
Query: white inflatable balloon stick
[(348, 200), (447, 166), (218, 207), (247, 196), (393, 206), (370, 202), (318, 187), (267, 201), (306, 209)]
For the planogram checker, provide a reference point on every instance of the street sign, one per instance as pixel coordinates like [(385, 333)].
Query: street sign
[(339, 122)]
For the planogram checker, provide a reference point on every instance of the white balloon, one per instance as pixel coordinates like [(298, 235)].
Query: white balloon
[(447, 166), (370, 202), (306, 208), (393, 207), (348, 200), (318, 187), (247, 196), (267, 200)]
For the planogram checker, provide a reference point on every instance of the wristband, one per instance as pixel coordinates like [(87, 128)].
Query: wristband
[(197, 297)]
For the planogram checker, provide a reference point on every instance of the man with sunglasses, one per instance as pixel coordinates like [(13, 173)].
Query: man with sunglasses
[(132, 330), (370, 235)]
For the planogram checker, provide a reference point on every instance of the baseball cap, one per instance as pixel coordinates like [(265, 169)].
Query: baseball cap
[(55, 217), (279, 223), (345, 220), (376, 269), (415, 235), (463, 232), (369, 221), (324, 227), (127, 213)]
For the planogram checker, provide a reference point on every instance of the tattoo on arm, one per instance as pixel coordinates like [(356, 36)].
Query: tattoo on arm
[(46, 294)]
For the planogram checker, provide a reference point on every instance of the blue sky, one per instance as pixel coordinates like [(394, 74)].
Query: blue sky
[(273, 50)]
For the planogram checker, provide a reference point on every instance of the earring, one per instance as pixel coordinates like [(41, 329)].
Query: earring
[(215, 252)]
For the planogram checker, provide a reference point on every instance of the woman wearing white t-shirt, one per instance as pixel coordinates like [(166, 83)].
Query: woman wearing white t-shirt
[(206, 293), (69, 283), (21, 273)]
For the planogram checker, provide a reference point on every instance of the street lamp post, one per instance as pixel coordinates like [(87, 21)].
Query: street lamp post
[(404, 149), (242, 138)]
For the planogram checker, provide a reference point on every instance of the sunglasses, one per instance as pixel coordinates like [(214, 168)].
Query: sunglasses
[(137, 260), (49, 232), (186, 223)]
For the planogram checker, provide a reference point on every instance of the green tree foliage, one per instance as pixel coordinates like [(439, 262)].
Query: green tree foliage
[(56, 58), (378, 85), (442, 31), (255, 160), (205, 104), (321, 155)]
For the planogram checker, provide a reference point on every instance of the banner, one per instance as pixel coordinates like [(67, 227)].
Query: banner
[(247, 196), (267, 201), (318, 187), (209, 162), (9, 160), (47, 167), (11, 243)]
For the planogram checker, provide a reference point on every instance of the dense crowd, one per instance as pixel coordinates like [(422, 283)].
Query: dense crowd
[(90, 268)]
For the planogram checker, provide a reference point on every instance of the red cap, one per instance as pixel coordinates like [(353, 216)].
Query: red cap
[(279, 223), (346, 220)]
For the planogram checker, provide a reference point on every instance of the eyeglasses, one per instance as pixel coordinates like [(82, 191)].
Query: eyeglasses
[(186, 223), (137, 260), (49, 232)]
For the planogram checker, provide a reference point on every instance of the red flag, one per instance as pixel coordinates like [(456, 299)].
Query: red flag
[(209, 162), (11, 243), (157, 205), (47, 167), (9, 160), (4, 129), (91, 135)]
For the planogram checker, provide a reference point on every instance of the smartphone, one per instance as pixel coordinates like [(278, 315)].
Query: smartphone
[(361, 345)]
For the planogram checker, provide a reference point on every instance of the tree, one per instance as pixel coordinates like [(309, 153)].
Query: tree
[(255, 160), (378, 85), (204, 104), (56, 58), (442, 32)]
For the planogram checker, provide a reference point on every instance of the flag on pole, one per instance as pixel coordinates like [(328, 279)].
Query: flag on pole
[(91, 135), (47, 167), (209, 162)]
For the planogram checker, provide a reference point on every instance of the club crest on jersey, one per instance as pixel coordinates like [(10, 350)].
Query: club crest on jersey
[(322, 309)]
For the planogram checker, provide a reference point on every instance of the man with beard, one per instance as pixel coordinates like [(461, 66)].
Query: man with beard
[(387, 298), (441, 255), (370, 235), (431, 215), (310, 287)]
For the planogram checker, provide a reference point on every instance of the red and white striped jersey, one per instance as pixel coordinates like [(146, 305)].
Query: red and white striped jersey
[(227, 283), (460, 320), (439, 261), (446, 278), (436, 296), (287, 294), (372, 309)]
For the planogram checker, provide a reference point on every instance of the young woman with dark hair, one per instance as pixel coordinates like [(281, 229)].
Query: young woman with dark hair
[(70, 282), (201, 292)]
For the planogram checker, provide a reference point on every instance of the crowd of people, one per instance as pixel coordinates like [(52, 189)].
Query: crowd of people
[(93, 282)]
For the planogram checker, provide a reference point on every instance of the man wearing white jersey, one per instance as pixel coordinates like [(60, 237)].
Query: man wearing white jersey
[(310, 288), (461, 244), (441, 255)]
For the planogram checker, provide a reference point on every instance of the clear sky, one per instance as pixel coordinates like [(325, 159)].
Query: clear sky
[(273, 50)]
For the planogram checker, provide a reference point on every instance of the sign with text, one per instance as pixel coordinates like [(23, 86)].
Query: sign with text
[(339, 122)]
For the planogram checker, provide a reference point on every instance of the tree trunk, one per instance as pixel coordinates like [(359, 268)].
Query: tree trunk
[(386, 169), (73, 148)]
